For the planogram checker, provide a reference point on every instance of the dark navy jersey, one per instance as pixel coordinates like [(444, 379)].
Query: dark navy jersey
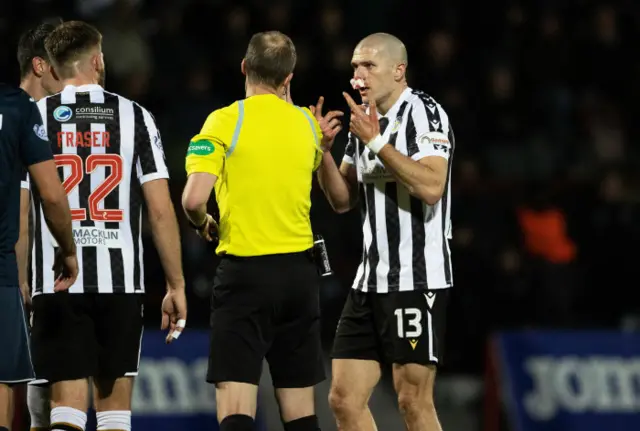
[(23, 142)]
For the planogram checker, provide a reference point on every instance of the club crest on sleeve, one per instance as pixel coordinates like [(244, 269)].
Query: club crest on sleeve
[(396, 125), (40, 132), (200, 148)]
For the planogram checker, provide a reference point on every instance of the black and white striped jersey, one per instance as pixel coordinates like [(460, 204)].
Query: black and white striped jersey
[(106, 147), (406, 241)]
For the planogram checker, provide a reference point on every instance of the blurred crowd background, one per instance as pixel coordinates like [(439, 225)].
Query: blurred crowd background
[(542, 95)]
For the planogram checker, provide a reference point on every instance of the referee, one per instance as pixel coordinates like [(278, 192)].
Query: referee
[(259, 154)]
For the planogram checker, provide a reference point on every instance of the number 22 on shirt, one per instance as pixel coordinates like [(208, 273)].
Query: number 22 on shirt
[(111, 181)]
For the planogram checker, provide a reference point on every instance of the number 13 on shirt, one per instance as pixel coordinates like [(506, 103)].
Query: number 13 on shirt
[(111, 181)]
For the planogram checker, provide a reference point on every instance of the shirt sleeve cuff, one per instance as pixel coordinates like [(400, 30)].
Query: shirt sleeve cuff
[(154, 176), (422, 154), (348, 160)]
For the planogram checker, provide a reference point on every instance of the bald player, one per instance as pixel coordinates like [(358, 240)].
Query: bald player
[(397, 164)]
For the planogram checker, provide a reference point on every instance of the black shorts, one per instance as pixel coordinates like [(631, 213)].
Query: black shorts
[(15, 361), (77, 336), (392, 328), (266, 307)]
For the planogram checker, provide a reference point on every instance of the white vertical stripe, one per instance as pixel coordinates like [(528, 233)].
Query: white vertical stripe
[(382, 269), (97, 177), (406, 239), (127, 146), (430, 330), (433, 249), (103, 258), (68, 95), (367, 237)]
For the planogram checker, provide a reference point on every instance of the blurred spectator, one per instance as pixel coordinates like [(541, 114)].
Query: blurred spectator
[(126, 52), (552, 254)]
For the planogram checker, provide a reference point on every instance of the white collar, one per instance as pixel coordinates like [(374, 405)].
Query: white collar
[(82, 88)]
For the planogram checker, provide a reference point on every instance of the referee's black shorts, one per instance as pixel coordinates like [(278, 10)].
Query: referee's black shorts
[(266, 307)]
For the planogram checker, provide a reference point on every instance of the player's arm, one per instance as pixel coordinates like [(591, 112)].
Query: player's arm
[(153, 176), (22, 245), (36, 155), (425, 179), (204, 164), (424, 174), (339, 184)]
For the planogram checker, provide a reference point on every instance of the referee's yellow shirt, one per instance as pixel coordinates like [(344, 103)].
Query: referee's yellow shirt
[(263, 151)]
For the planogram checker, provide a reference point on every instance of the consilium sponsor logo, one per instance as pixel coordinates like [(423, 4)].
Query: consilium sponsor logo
[(62, 113), (579, 385), (200, 148), (94, 112), (171, 386)]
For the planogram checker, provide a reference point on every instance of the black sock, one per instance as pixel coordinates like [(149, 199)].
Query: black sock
[(307, 423), (237, 423)]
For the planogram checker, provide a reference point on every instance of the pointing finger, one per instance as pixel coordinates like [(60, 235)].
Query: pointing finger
[(319, 106), (373, 112), (350, 102)]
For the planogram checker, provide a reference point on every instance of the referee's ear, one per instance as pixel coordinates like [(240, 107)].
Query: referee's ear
[(287, 80), (243, 68)]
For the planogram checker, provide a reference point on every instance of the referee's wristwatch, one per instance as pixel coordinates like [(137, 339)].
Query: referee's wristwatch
[(202, 225)]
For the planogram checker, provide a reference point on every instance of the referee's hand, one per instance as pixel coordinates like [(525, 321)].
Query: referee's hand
[(174, 313), (330, 124), (209, 229)]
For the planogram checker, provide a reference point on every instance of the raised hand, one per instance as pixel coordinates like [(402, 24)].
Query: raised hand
[(364, 126), (330, 124)]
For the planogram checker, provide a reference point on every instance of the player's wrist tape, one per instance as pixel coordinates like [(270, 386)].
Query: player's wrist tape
[(179, 324), (376, 144)]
